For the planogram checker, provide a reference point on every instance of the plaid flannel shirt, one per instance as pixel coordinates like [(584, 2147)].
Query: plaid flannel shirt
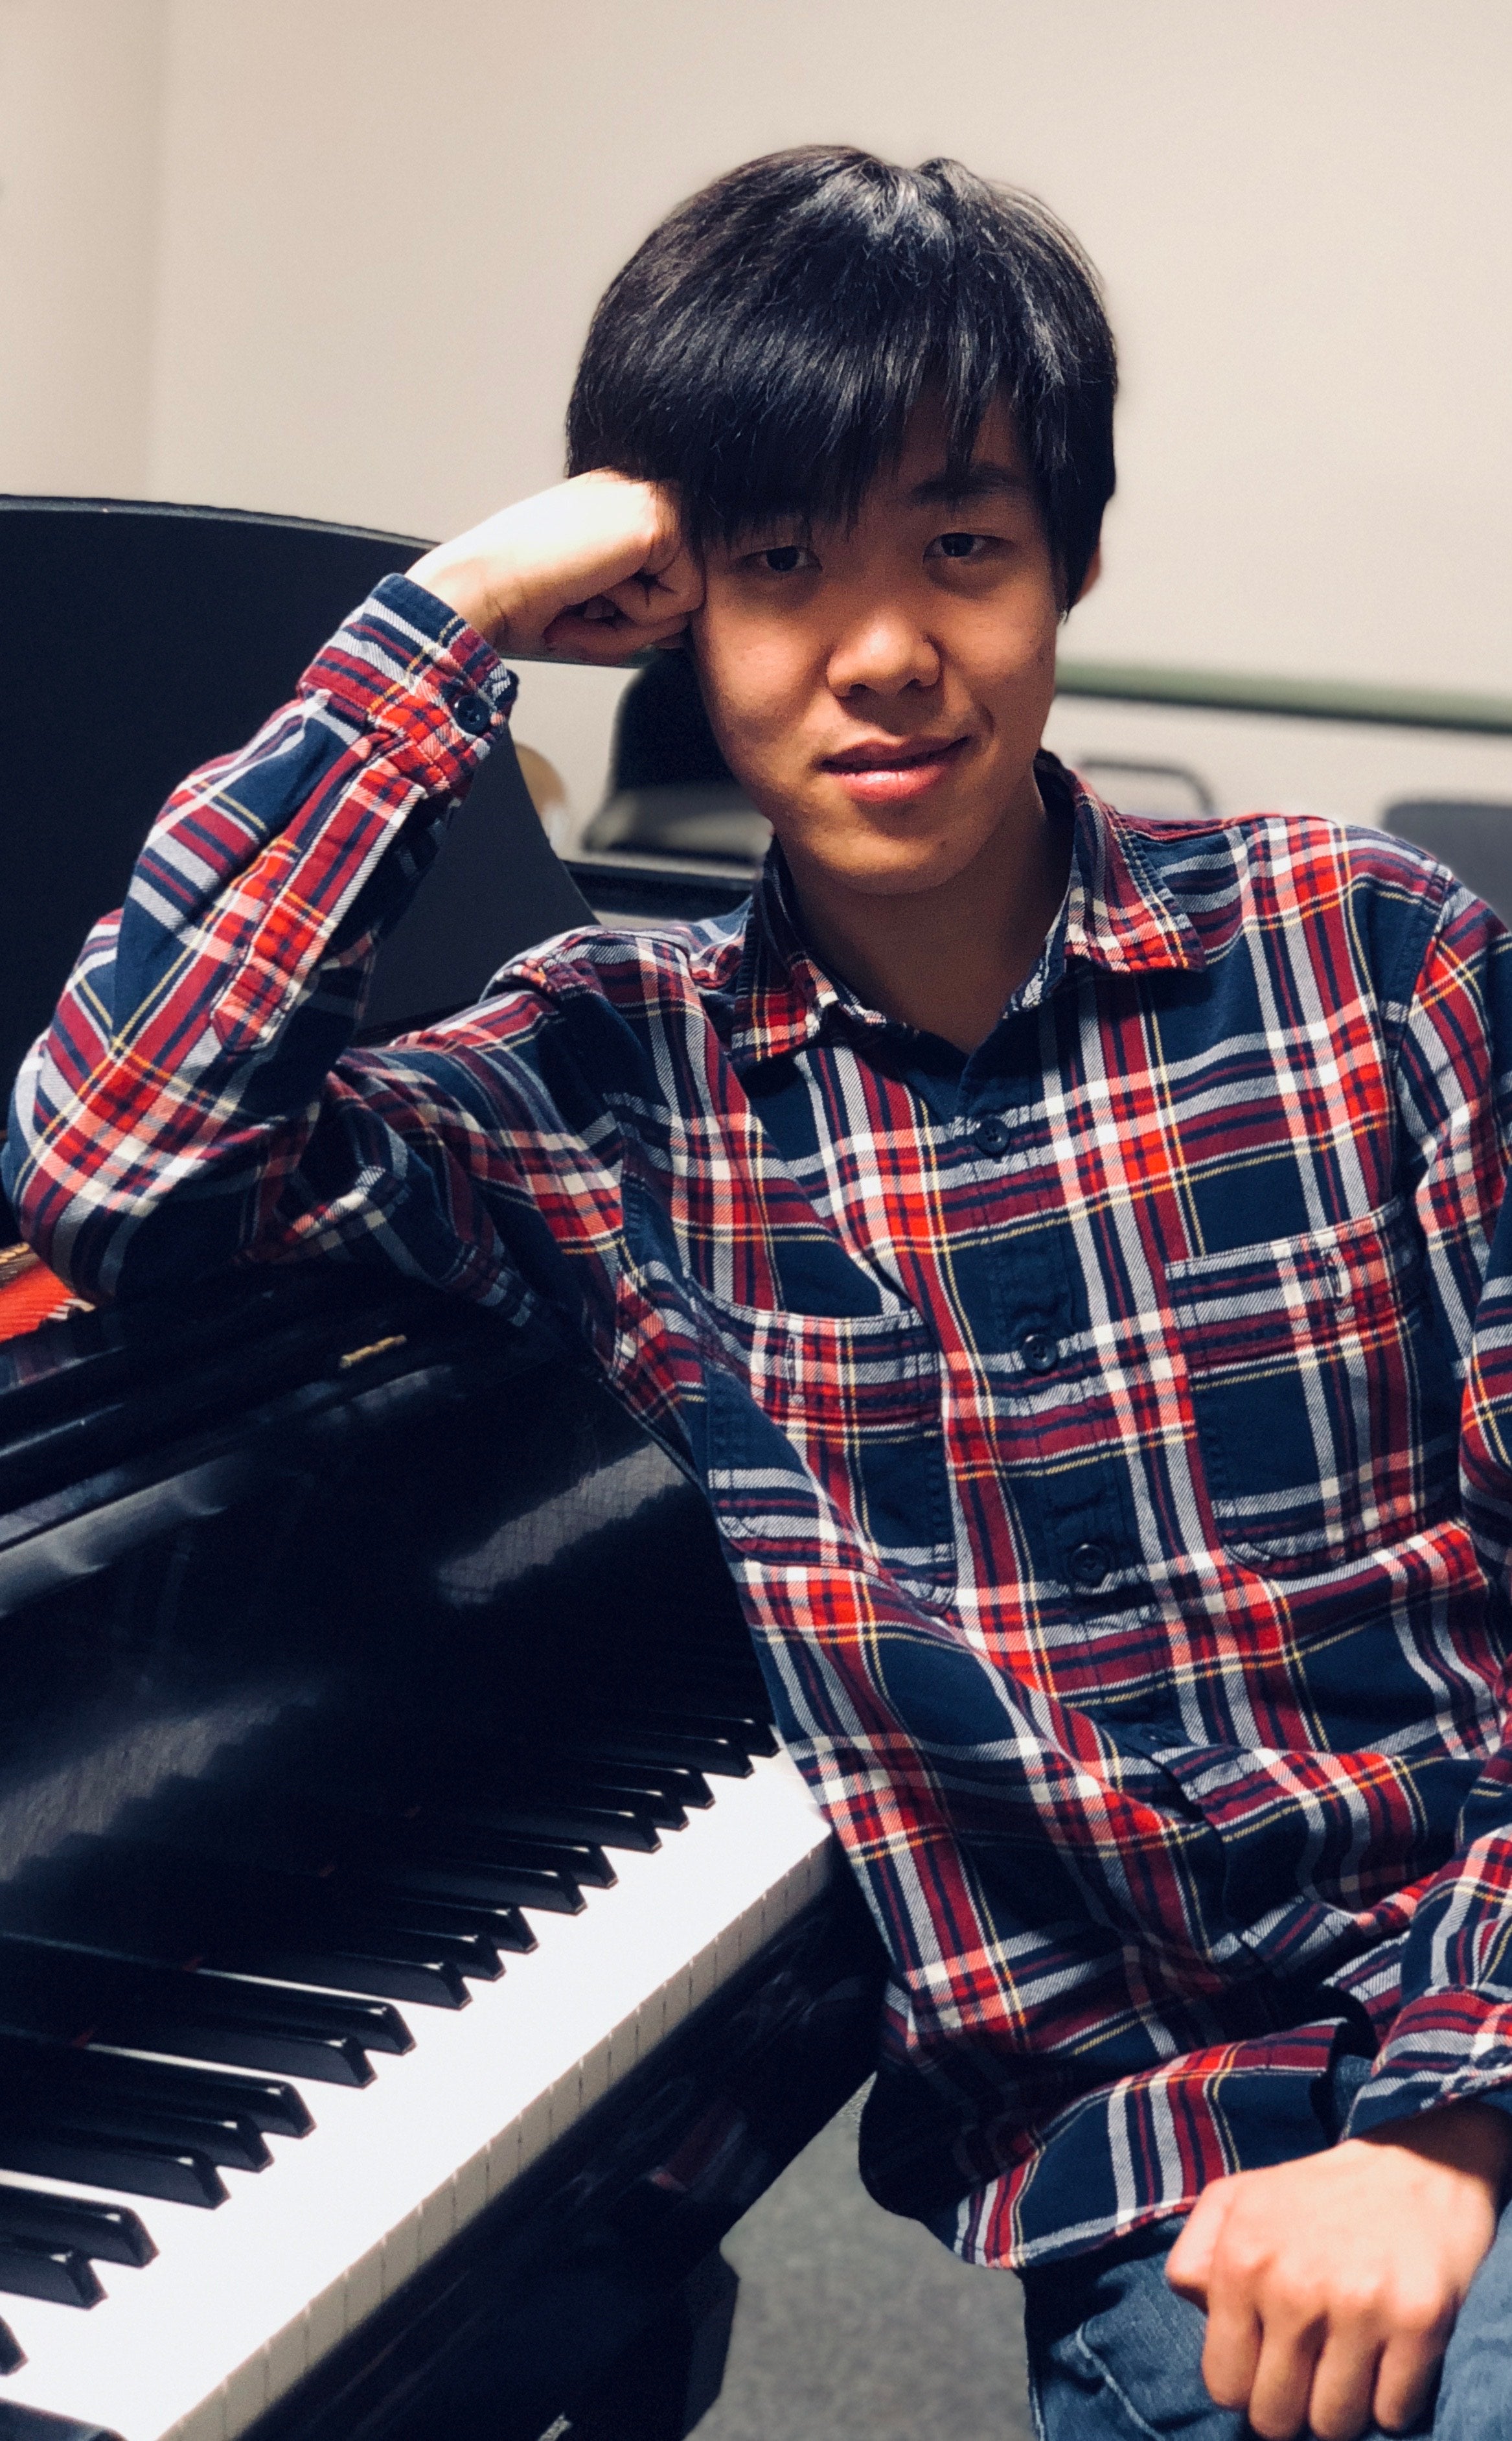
[(1082, 1417)]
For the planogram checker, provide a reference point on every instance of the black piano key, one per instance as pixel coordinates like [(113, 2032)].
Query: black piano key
[(678, 1793), (288, 2047), (55, 2272), (702, 1750), (575, 1808), (277, 2109), (229, 2140), (713, 1717), (473, 1844), (107, 2233), (626, 1825), (159, 2085), (552, 1891), (473, 1954), (576, 1768), (326, 2059), (68, 2154), (493, 1927), (142, 1900), (371, 1920), (610, 1788), (397, 1957), (13, 2355), (232, 2142), (326, 1840), (77, 1995), (422, 1975), (421, 1835)]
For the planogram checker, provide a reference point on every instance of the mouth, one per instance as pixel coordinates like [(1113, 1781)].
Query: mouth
[(888, 771)]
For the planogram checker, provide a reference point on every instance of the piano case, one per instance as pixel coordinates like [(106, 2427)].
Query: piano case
[(350, 1649)]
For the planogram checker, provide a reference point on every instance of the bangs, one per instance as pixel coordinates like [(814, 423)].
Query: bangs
[(766, 348)]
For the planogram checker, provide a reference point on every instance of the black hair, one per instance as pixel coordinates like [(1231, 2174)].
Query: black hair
[(765, 345)]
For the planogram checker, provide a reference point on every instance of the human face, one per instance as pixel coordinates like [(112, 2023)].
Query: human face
[(880, 690)]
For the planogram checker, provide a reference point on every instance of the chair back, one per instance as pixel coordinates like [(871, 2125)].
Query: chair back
[(1473, 839), (138, 640)]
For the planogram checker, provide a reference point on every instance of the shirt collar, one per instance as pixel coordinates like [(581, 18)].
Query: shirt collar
[(1116, 914)]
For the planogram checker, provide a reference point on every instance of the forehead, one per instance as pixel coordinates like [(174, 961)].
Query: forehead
[(923, 476)]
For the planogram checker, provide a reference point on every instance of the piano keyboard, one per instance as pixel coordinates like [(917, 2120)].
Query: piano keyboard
[(384, 1779), (238, 2299)]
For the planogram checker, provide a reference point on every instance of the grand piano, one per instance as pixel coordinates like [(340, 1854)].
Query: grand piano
[(415, 1952)]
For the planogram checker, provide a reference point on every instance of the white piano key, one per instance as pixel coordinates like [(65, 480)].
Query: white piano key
[(241, 2301)]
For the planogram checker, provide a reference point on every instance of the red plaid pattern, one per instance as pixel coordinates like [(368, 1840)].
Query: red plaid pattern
[(1083, 1419)]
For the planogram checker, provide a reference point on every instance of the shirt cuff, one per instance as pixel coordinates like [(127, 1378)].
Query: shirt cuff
[(1448, 2046), (408, 671)]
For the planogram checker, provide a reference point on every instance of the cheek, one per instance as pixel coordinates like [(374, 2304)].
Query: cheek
[(755, 694), (1017, 692)]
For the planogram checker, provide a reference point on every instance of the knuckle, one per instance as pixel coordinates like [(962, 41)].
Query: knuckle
[(1246, 2254), (1225, 2390), (1355, 2300), (1421, 2314)]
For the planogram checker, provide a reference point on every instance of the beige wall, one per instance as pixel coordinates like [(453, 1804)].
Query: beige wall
[(80, 86), (380, 229)]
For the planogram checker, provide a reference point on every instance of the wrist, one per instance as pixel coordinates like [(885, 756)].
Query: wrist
[(1472, 2138), (477, 592)]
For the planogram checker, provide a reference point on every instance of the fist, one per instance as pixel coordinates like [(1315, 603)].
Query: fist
[(595, 569), (1331, 2284)]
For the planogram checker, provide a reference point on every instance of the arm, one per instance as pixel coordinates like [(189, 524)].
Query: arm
[(192, 1101), (1332, 2284)]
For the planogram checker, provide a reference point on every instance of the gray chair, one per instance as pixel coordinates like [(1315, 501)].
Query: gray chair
[(1473, 838)]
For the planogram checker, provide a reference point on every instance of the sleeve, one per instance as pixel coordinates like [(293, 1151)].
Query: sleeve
[(1451, 2037), (195, 1099)]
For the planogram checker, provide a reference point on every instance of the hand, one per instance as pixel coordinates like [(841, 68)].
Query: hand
[(1331, 2284), (595, 567)]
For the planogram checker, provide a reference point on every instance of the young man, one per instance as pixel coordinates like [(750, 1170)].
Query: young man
[(1056, 1240)]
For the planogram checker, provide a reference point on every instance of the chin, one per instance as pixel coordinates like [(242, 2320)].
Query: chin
[(897, 869)]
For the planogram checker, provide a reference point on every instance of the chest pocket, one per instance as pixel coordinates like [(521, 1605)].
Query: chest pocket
[(1322, 1440), (858, 1398)]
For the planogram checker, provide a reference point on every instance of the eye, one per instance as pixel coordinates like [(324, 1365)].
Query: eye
[(781, 559), (960, 546)]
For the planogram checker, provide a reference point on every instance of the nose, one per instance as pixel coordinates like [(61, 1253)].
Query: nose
[(883, 651)]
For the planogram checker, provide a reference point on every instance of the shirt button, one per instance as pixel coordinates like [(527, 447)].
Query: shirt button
[(1040, 1350), (1089, 1564), (471, 712), (993, 1135)]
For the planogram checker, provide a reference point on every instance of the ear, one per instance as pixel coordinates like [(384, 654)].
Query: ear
[(1094, 569)]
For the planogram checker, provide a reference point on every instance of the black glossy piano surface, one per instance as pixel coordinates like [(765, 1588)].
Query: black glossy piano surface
[(362, 1668), (345, 1645)]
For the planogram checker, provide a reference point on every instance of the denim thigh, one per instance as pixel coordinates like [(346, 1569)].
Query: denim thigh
[(1115, 2355)]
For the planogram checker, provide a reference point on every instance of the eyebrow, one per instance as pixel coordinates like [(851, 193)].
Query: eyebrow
[(978, 482)]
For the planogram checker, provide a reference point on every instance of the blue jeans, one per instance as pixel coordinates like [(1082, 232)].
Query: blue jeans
[(1115, 2353)]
